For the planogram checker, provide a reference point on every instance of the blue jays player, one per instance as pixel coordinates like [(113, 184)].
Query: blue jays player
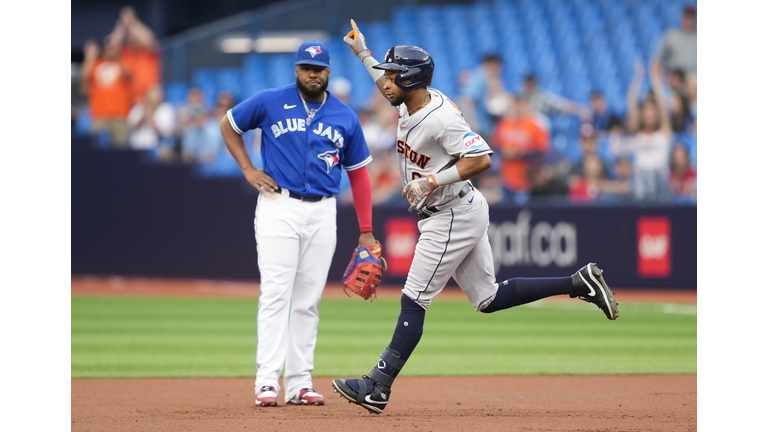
[(438, 154), (308, 137)]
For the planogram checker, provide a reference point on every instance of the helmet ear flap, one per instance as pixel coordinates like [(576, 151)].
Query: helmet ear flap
[(415, 65), (414, 77)]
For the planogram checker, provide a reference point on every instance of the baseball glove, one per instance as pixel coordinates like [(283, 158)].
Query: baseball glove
[(364, 272)]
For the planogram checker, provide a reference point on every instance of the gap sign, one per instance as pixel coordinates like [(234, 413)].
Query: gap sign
[(654, 247)]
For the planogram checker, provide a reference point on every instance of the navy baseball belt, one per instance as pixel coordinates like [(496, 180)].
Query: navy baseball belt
[(306, 198), (430, 210)]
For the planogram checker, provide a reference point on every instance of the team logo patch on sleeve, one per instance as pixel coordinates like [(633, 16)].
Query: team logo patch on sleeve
[(473, 141), (331, 159)]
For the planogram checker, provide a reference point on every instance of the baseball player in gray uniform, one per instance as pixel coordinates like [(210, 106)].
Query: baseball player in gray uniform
[(438, 154)]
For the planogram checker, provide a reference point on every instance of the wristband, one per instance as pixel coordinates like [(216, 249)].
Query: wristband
[(369, 63), (451, 175)]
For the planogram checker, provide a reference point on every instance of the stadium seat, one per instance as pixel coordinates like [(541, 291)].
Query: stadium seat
[(204, 76), (176, 92), (83, 123), (280, 68), (230, 79)]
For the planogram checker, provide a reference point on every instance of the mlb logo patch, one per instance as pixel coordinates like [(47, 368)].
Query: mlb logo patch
[(473, 141)]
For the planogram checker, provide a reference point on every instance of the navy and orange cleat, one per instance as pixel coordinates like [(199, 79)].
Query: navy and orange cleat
[(365, 392), (589, 285)]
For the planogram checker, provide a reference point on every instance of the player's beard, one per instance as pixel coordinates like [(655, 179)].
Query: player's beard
[(399, 100), (311, 93)]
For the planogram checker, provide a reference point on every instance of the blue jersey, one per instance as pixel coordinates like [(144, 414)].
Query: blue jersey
[(306, 159)]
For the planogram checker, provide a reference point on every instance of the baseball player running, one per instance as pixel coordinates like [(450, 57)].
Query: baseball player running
[(308, 136), (438, 154)]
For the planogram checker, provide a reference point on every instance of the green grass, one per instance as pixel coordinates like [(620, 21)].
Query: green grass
[(192, 337)]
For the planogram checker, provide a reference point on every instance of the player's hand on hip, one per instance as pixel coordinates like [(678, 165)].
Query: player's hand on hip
[(356, 42), (260, 180), (417, 190)]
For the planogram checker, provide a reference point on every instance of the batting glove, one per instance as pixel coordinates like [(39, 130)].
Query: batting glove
[(416, 190), (356, 42)]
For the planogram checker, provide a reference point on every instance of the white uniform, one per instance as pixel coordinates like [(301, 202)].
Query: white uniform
[(454, 226)]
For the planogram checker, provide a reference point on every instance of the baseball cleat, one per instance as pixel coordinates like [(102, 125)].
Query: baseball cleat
[(266, 396), (307, 396), (365, 392), (589, 285)]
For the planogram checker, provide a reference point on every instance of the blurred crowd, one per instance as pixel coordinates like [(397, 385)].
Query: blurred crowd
[(645, 154), (121, 81)]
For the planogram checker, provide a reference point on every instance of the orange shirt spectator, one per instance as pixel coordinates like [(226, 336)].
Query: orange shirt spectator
[(519, 138), (105, 81), (140, 52), (144, 65), (108, 96)]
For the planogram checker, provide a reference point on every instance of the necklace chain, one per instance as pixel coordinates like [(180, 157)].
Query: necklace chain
[(311, 112), (426, 101)]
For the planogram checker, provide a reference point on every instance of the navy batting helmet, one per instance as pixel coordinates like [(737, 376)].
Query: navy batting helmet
[(415, 66)]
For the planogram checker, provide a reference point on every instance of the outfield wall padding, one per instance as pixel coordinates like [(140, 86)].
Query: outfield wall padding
[(135, 217)]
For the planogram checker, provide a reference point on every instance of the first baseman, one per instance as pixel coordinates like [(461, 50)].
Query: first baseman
[(438, 154), (308, 137)]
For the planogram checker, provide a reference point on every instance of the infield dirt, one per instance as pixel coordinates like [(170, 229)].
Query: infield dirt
[(488, 403)]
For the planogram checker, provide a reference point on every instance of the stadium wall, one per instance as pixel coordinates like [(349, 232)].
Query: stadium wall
[(132, 217)]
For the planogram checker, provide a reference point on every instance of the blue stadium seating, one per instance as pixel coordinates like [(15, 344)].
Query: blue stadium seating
[(230, 79), (573, 46), (176, 92)]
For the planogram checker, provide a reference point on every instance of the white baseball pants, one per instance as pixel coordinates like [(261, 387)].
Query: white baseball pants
[(295, 243)]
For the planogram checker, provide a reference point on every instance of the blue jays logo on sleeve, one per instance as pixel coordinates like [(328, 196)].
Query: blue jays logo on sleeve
[(331, 159), (314, 50), (473, 141)]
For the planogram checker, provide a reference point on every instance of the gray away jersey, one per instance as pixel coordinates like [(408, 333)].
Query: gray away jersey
[(433, 140)]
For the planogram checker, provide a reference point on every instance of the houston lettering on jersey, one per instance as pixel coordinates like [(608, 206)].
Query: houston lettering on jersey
[(300, 125), (419, 159)]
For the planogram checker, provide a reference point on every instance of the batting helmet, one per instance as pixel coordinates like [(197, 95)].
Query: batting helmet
[(415, 66)]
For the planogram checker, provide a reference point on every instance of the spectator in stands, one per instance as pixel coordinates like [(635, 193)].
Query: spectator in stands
[(105, 80), (545, 103), (140, 51), (677, 48), (677, 83), (588, 144), (589, 186), (619, 143), (546, 183), (341, 88), (651, 130), (385, 183), (619, 187), (603, 118), (482, 94), (152, 124), (202, 141), (682, 176), (491, 185), (680, 113), (691, 83), (519, 139), (379, 123), (380, 132)]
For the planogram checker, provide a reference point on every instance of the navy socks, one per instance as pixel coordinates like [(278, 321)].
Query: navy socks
[(410, 323), (517, 291), (410, 327)]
